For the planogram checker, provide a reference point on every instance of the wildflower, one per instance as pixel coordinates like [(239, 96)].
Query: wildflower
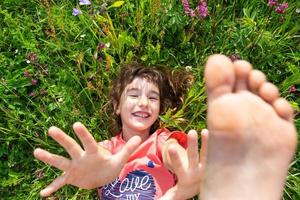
[(39, 174), (32, 94), (292, 89), (34, 82), (272, 3), (31, 57), (188, 68), (76, 12), (298, 10), (84, 2), (26, 73), (187, 8), (103, 8), (281, 8), (234, 57), (202, 8), (43, 92), (101, 46)]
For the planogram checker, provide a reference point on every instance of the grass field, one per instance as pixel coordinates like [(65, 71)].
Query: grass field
[(56, 65)]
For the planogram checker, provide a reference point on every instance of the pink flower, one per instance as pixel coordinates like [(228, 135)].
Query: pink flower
[(187, 8), (234, 57), (32, 57), (281, 8), (26, 73), (292, 89), (34, 82), (32, 94), (272, 3), (100, 47), (202, 8)]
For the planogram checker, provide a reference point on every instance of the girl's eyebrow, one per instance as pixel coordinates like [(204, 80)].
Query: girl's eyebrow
[(154, 92), (136, 90)]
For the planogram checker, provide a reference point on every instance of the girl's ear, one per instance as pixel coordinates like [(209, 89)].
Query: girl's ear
[(116, 107), (117, 110)]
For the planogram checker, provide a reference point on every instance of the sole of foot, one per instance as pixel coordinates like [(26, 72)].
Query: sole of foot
[(252, 136)]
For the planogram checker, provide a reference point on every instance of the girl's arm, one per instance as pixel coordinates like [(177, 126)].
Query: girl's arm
[(88, 168), (186, 165)]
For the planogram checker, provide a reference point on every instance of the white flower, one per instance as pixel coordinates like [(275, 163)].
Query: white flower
[(188, 68)]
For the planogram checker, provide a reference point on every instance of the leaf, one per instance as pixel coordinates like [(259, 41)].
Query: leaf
[(116, 4)]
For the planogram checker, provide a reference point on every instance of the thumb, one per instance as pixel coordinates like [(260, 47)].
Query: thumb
[(128, 149)]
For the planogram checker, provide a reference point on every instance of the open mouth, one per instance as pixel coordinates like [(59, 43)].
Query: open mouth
[(141, 114)]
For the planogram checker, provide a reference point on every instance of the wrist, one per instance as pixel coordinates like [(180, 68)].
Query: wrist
[(173, 194)]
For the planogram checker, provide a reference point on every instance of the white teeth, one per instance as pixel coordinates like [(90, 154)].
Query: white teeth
[(142, 115)]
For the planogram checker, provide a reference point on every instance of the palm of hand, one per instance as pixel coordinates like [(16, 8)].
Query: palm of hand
[(188, 169), (92, 167)]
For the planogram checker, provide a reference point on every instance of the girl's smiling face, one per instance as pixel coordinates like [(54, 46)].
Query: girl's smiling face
[(139, 108)]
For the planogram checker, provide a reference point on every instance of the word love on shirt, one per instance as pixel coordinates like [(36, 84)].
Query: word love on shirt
[(137, 184)]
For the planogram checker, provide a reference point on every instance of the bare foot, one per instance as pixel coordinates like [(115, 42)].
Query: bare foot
[(252, 135)]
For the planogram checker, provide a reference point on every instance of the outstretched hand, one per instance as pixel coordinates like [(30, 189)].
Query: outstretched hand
[(187, 167), (88, 168)]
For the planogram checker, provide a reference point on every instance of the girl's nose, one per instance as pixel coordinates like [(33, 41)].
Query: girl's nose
[(143, 101)]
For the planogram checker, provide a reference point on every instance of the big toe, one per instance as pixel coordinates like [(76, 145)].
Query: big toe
[(219, 76)]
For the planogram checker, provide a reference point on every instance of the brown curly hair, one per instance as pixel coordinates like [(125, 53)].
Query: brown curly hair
[(172, 85)]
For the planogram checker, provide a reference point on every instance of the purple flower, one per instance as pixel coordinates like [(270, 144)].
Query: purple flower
[(234, 57), (32, 57), (101, 46), (272, 3), (187, 8), (292, 89), (26, 73), (43, 92), (34, 82), (39, 174), (76, 12), (281, 8), (202, 9), (32, 94), (84, 2)]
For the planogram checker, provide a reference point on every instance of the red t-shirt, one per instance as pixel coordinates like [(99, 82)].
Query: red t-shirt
[(144, 176)]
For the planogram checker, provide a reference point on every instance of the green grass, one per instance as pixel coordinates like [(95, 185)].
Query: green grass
[(44, 40)]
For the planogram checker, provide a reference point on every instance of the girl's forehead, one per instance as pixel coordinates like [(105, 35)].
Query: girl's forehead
[(142, 83)]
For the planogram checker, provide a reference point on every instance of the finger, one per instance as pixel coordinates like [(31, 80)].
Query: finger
[(128, 149), (87, 140), (54, 186), (177, 165), (192, 150), (57, 161), (69, 144), (204, 142)]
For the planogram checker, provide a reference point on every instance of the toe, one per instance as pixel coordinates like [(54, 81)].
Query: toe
[(268, 92), (242, 70), (219, 75), (255, 80), (284, 109)]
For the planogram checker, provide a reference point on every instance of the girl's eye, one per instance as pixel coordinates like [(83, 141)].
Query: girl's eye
[(133, 95), (153, 98)]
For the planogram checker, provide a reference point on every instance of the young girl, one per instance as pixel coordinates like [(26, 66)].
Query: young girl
[(248, 122), (143, 160)]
